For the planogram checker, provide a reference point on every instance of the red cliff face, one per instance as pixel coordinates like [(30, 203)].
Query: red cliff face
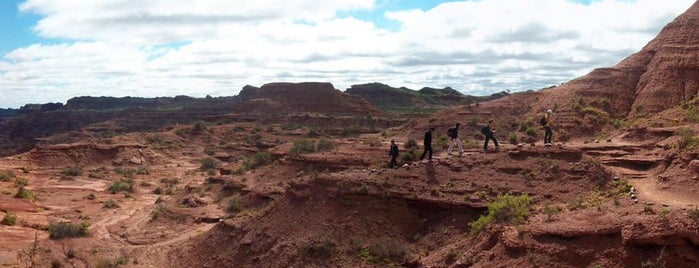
[(662, 75), (288, 98), (672, 75)]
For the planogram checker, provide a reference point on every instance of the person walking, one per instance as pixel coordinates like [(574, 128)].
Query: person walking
[(393, 153), (489, 132), (547, 122), (453, 134), (427, 143)]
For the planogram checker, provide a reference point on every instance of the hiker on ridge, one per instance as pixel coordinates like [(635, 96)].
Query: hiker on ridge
[(393, 153), (489, 132), (427, 143), (547, 122), (453, 134)]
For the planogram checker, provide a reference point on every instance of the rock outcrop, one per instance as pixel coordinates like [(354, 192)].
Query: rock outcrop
[(294, 98)]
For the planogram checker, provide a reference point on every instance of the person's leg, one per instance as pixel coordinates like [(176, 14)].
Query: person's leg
[(547, 135), (430, 153), (423, 154), (461, 149), (485, 144), (393, 162), (495, 141), (451, 143)]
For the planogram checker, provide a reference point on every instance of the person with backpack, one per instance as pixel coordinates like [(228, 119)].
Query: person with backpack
[(547, 121), (427, 143), (453, 134), (393, 153), (489, 132)]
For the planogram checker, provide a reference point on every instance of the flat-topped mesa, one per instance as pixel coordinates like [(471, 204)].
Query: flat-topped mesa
[(309, 97)]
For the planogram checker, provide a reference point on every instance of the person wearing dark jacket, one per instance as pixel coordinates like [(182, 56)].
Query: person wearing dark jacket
[(489, 132), (427, 143), (453, 134), (393, 153)]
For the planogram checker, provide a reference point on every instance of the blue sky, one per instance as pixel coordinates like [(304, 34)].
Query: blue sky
[(52, 50)]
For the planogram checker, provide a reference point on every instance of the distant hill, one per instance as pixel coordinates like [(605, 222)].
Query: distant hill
[(309, 97), (391, 98)]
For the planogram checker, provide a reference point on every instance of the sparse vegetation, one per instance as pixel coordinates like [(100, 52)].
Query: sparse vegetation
[(72, 171), (59, 230), (694, 214), (505, 209), (551, 211), (110, 203), (234, 204), (688, 141), (513, 138), (199, 126), (24, 193), (10, 219), (303, 146), (121, 185), (259, 159), (410, 144), (325, 145), (324, 249), (7, 175), (208, 163), (20, 182), (384, 252)]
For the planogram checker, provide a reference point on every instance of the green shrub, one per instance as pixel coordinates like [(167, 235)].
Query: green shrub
[(384, 252), (6, 175), (119, 186), (303, 146), (442, 142), (19, 182), (551, 210), (688, 141), (406, 157), (325, 145), (505, 209), (24, 193), (410, 144), (259, 159), (208, 163), (320, 249), (72, 171), (58, 230), (596, 113), (110, 204), (531, 132), (513, 138), (126, 172), (694, 214), (234, 204), (528, 123), (199, 126), (10, 219)]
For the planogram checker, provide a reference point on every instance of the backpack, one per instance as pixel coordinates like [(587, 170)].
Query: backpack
[(542, 121), (485, 130), (451, 133)]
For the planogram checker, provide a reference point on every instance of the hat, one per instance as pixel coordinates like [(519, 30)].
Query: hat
[(549, 111)]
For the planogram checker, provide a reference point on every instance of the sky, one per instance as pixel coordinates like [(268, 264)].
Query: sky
[(53, 50)]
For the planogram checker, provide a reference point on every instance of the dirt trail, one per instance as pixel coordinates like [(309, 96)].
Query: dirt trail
[(641, 178)]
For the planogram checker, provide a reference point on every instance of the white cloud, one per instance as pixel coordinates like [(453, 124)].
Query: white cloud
[(168, 47)]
